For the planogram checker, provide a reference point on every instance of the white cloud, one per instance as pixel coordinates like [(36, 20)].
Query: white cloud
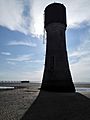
[(34, 76), (5, 53), (82, 51), (76, 13), (37, 15), (21, 58), (12, 63), (12, 14), (22, 43), (81, 70), (37, 61), (80, 61)]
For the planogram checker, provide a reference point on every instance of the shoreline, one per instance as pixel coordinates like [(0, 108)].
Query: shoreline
[(14, 103)]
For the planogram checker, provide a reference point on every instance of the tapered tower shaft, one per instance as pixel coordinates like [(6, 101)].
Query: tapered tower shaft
[(57, 76)]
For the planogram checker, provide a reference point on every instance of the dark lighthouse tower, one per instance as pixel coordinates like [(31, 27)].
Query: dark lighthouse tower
[(57, 76)]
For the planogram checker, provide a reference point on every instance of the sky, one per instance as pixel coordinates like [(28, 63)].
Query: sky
[(22, 52)]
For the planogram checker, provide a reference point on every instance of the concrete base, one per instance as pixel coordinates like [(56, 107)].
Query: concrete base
[(59, 106)]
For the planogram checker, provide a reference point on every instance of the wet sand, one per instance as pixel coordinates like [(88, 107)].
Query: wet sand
[(14, 103)]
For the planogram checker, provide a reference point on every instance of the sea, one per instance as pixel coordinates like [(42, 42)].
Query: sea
[(80, 87)]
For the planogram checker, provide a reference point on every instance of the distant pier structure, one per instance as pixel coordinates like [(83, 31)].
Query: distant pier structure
[(57, 76)]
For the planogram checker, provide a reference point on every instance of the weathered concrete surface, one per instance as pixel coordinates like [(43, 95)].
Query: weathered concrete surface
[(59, 106)]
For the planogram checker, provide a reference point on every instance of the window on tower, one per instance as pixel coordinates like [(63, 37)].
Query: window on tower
[(51, 63)]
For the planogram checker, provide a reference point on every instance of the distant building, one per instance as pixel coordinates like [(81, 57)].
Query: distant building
[(24, 81)]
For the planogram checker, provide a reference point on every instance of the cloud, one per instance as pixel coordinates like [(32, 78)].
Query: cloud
[(23, 58), (27, 16), (81, 70), (83, 50), (22, 43), (37, 61), (80, 61), (34, 76), (20, 58), (12, 63), (76, 13), (5, 53), (11, 14)]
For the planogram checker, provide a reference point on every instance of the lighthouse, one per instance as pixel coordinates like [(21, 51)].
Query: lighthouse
[(56, 76)]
